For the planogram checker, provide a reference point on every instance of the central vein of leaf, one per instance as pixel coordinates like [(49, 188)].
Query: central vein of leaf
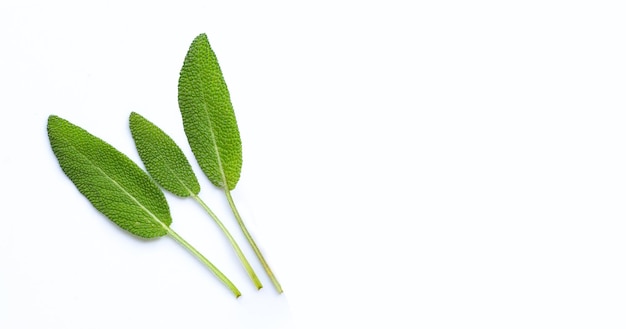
[(119, 186), (178, 178), (216, 148), (156, 219)]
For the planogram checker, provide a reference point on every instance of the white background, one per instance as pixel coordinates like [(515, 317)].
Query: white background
[(418, 164)]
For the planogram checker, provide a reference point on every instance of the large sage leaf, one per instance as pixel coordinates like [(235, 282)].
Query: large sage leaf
[(211, 127), (208, 115), (113, 183)]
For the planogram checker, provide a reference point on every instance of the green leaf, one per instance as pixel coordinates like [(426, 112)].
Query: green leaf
[(163, 159), (208, 115), (116, 186), (113, 183), (211, 127), (167, 164)]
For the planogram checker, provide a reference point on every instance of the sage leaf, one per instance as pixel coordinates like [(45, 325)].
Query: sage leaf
[(116, 186), (211, 127), (163, 159), (169, 167), (208, 115)]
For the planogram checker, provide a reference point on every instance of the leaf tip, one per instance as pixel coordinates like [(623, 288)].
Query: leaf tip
[(52, 118), (133, 117)]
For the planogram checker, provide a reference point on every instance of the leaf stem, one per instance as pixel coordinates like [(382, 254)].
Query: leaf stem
[(242, 257), (205, 261), (252, 243)]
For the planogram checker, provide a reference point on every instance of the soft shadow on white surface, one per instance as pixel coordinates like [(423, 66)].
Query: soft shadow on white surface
[(264, 309)]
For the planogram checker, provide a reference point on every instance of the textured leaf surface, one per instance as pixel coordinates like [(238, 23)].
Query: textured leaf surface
[(163, 159), (112, 182), (208, 115)]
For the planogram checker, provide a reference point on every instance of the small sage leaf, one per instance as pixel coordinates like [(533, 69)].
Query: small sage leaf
[(167, 164), (208, 115), (163, 159)]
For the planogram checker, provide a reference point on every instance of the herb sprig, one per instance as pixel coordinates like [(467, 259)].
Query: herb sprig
[(130, 197)]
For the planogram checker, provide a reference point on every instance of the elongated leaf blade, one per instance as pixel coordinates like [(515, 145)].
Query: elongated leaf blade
[(112, 182), (208, 115), (163, 159)]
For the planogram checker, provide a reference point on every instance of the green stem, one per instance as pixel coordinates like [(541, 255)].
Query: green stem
[(205, 261), (242, 257), (252, 243)]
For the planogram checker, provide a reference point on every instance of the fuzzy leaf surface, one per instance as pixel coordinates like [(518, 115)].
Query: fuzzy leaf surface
[(208, 115), (112, 182), (164, 160)]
